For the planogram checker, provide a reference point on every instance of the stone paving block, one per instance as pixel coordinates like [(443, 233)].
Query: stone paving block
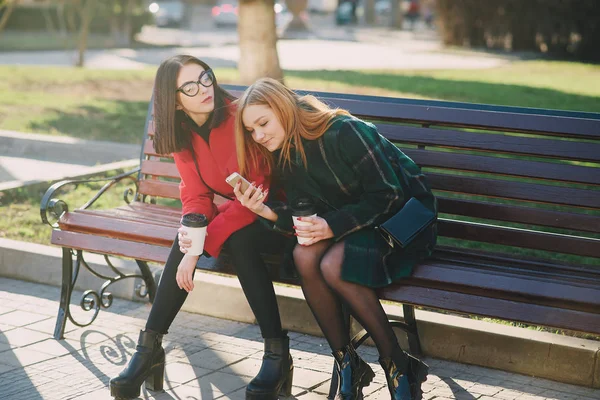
[(507, 394), (219, 383), (214, 360), (21, 318), (530, 397), (305, 378), (554, 395), (4, 310), (22, 337), (24, 357), (244, 349), (486, 390), (182, 372), (247, 367), (6, 328), (310, 396), (237, 395)]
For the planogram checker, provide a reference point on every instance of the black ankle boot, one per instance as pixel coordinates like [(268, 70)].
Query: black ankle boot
[(276, 373), (405, 383), (147, 364), (353, 372)]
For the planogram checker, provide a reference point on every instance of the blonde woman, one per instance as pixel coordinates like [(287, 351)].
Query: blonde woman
[(358, 179)]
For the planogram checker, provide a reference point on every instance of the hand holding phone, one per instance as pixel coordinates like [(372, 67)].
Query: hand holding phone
[(234, 178)]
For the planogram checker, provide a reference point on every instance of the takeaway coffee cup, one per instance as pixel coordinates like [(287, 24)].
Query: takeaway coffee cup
[(302, 207), (195, 227)]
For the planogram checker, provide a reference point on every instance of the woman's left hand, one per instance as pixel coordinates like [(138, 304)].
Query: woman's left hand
[(252, 198), (318, 229)]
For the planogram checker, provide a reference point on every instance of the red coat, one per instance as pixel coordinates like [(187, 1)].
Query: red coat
[(216, 162)]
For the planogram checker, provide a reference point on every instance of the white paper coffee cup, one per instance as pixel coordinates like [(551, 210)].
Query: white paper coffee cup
[(195, 227), (302, 240)]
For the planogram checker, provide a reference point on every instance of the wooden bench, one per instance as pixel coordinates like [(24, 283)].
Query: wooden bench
[(519, 200)]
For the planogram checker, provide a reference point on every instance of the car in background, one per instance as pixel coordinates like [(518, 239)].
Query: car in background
[(225, 13), (168, 13)]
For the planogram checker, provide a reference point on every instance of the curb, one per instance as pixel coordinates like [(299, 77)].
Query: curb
[(67, 157), (518, 350)]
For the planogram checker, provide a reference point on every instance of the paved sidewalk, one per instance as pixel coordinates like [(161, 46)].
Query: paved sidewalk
[(208, 358)]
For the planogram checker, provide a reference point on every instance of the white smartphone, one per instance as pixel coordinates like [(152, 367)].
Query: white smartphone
[(234, 178)]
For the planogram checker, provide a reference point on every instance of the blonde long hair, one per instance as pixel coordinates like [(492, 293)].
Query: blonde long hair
[(300, 116)]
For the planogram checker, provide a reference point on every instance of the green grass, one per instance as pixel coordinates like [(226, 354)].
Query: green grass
[(112, 105), (20, 208), (541, 84)]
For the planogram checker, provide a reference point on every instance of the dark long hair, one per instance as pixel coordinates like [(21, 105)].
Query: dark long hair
[(169, 136)]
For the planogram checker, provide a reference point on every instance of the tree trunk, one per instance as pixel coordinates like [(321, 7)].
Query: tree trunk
[(370, 12), (49, 23), (258, 41), (397, 15), (60, 17), (127, 36), (86, 17), (10, 6)]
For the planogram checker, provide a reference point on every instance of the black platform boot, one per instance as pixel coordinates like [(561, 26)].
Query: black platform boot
[(147, 364), (276, 373), (353, 372), (405, 383)]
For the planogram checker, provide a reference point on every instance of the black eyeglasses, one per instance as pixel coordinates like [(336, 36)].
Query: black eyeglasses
[(192, 88)]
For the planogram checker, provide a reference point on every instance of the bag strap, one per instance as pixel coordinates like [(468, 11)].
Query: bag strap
[(200, 175)]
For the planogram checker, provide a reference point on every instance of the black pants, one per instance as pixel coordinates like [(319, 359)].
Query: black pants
[(244, 248)]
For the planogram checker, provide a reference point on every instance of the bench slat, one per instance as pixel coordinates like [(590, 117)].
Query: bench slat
[(528, 284), (158, 188), (150, 151), (495, 308), (115, 247), (525, 215), (482, 119), (129, 215), (461, 114), (153, 208), (505, 166), (532, 146), (136, 231), (516, 190), (552, 242), (160, 168)]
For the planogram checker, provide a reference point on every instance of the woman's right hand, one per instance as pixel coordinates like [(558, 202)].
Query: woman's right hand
[(184, 242), (185, 273)]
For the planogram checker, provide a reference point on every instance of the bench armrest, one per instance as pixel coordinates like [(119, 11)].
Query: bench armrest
[(58, 207)]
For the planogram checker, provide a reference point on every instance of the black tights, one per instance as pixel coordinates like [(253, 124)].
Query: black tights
[(244, 247), (320, 267)]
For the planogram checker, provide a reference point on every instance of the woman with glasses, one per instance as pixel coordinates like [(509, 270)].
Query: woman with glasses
[(194, 120)]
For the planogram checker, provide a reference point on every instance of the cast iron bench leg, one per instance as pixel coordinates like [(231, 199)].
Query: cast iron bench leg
[(148, 279), (65, 293), (413, 335)]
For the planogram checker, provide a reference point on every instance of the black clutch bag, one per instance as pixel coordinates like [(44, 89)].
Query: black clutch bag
[(401, 229)]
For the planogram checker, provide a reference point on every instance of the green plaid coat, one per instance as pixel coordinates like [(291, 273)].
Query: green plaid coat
[(359, 179)]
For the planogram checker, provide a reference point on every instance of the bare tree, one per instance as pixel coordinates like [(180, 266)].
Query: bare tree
[(258, 41), (370, 12), (86, 8), (8, 6), (397, 14)]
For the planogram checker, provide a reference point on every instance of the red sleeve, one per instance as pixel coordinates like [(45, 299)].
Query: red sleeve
[(232, 217), (195, 196)]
